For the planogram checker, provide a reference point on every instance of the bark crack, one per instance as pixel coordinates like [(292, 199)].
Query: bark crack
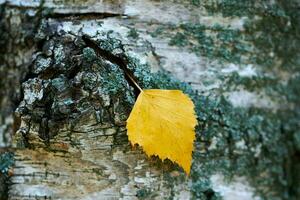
[(121, 62), (72, 15), (83, 16)]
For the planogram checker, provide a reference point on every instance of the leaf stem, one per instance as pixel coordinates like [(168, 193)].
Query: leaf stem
[(135, 83)]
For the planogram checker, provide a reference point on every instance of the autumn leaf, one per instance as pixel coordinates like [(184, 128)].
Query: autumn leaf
[(163, 122)]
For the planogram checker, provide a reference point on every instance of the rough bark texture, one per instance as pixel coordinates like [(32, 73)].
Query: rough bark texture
[(65, 98)]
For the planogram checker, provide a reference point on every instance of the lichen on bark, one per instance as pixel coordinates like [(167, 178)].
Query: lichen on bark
[(72, 98)]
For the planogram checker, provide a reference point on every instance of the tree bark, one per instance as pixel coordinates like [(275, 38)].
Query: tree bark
[(65, 98)]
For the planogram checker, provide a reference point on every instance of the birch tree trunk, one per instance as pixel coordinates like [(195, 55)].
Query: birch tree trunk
[(65, 97)]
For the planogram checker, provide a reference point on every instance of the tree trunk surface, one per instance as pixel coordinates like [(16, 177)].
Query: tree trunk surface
[(65, 97)]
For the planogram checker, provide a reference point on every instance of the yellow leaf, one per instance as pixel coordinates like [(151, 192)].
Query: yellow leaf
[(163, 123)]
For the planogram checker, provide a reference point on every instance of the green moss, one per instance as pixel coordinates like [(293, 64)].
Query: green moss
[(270, 35), (261, 144), (6, 161), (112, 79), (276, 31), (89, 54), (132, 33), (179, 40), (257, 83), (110, 43), (265, 150), (212, 42), (269, 154), (98, 171), (255, 143), (158, 31), (229, 7), (143, 193)]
